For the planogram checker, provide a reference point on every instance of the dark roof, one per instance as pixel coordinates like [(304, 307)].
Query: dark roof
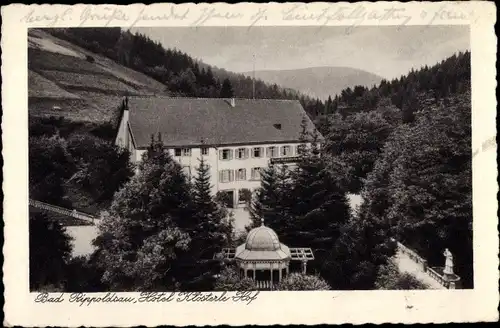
[(186, 121)]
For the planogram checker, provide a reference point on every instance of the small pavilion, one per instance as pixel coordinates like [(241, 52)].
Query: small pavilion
[(264, 259)]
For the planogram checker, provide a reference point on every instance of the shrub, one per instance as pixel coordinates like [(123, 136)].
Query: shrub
[(389, 278), (299, 281)]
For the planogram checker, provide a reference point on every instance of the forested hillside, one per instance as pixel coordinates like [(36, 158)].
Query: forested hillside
[(180, 73), (406, 147)]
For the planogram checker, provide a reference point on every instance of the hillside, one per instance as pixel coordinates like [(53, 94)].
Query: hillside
[(180, 73), (319, 82), (66, 80)]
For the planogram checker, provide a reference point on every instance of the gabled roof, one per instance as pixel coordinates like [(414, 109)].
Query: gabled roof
[(188, 121)]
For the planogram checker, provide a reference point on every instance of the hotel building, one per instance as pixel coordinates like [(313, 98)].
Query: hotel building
[(236, 137)]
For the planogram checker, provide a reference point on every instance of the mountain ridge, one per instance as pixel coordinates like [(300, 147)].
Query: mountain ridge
[(318, 81)]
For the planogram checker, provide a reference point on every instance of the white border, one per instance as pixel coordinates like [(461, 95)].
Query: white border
[(354, 307)]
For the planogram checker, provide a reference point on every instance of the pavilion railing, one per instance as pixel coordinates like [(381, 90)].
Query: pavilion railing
[(264, 285)]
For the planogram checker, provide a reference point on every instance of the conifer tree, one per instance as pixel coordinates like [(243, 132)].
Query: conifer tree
[(320, 203), (226, 89), (210, 229), (272, 202)]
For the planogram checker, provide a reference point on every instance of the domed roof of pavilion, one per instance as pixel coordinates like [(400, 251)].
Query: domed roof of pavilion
[(262, 243), (262, 239)]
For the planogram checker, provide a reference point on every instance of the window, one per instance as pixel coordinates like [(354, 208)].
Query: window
[(226, 176), (286, 151), (256, 173), (257, 152), (241, 174), (186, 152), (204, 151), (272, 152), (242, 153), (226, 154), (177, 152)]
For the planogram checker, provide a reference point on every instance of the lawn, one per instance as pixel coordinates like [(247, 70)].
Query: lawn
[(44, 88), (105, 84)]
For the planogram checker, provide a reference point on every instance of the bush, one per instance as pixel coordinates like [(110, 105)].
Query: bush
[(389, 278), (90, 59), (229, 280), (299, 281)]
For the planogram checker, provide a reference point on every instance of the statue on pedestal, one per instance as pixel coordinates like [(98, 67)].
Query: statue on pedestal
[(448, 265)]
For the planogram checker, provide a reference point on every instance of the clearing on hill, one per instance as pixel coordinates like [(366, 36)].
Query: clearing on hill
[(69, 81)]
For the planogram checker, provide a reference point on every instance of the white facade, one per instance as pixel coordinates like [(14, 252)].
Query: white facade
[(232, 168)]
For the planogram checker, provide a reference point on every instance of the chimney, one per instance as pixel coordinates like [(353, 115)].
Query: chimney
[(277, 126), (233, 102)]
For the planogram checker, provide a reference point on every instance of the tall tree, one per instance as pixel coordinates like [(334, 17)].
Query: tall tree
[(143, 243), (321, 204), (211, 230), (272, 202), (226, 89)]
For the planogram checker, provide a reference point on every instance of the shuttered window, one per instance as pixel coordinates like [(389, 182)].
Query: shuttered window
[(255, 173), (242, 153), (257, 152), (285, 151), (226, 176), (272, 152), (241, 174)]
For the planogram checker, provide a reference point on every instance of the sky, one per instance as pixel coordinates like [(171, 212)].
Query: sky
[(389, 51)]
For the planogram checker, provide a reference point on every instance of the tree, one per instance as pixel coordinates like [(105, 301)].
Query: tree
[(421, 186), (49, 253), (431, 186), (229, 280), (211, 230), (273, 203), (298, 281), (353, 262), (102, 167), (320, 206), (226, 89), (357, 141), (143, 241), (49, 166), (84, 276)]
